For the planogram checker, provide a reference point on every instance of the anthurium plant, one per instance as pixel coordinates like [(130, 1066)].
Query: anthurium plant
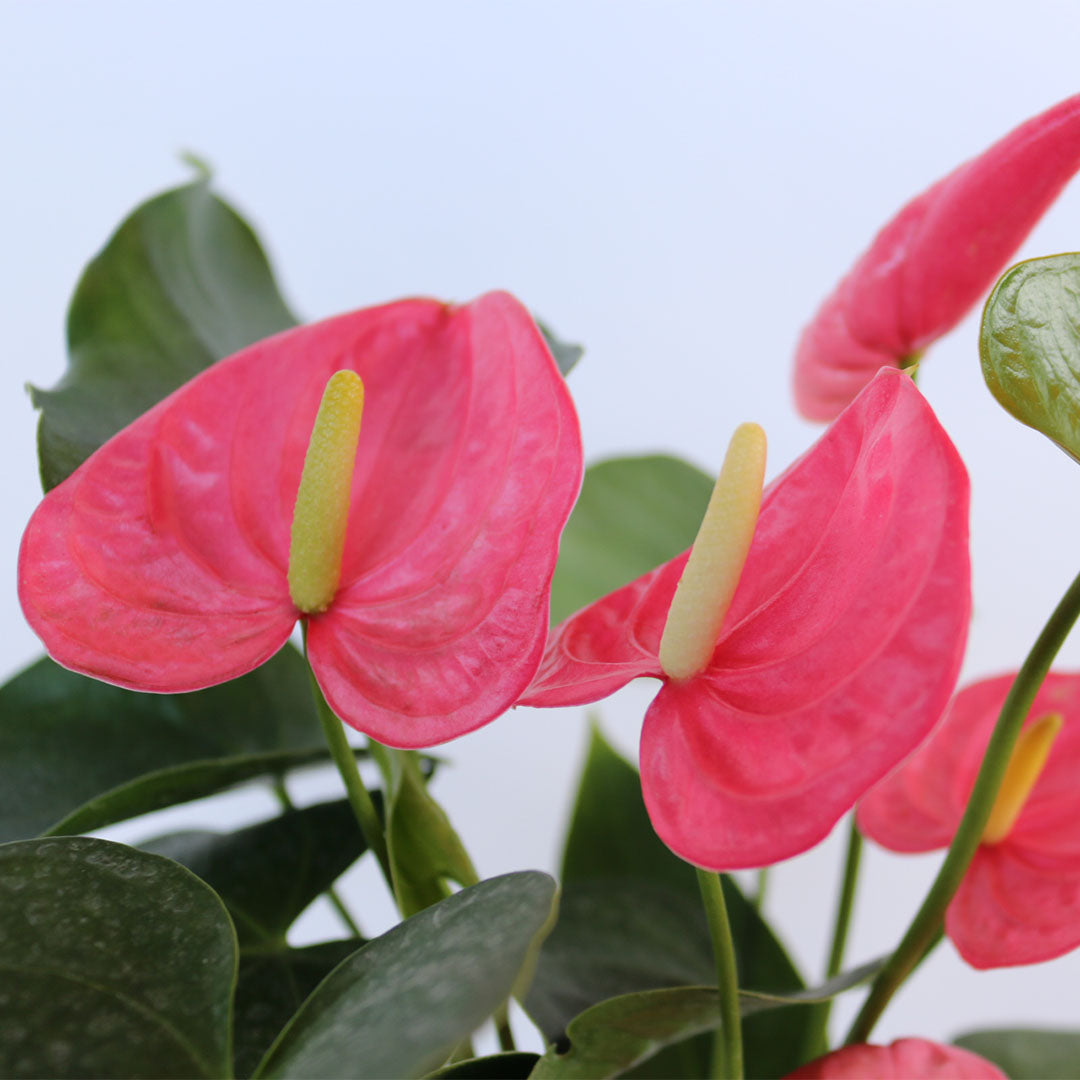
[(267, 547)]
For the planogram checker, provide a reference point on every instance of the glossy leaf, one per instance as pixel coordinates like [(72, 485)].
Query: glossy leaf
[(424, 848), (183, 282), (401, 1004), (113, 962), (1027, 1053), (622, 1032), (632, 514), (1030, 347), (566, 355), (514, 1065), (271, 986), (268, 873), (631, 919), (77, 754)]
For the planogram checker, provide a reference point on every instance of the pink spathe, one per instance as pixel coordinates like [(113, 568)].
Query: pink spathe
[(937, 258), (1019, 902), (160, 564), (838, 654), (904, 1059)]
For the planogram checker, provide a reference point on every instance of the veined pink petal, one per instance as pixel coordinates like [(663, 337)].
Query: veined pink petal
[(935, 259), (161, 563), (904, 1059), (1014, 908)]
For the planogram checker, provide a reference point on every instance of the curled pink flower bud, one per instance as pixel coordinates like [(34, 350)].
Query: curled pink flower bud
[(904, 1059)]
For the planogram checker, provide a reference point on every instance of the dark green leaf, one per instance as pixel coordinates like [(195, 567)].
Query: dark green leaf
[(113, 962), (515, 1065), (566, 355), (632, 515), (271, 986), (425, 851), (1030, 346), (401, 1004), (182, 283), (1028, 1053), (77, 754), (269, 873), (631, 919), (616, 1035)]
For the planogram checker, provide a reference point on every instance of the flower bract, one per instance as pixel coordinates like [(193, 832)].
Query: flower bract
[(934, 260), (904, 1059), (1019, 902), (837, 655), (161, 564)]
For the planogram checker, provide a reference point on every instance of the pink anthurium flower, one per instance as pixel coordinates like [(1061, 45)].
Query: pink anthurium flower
[(838, 653), (1019, 902), (934, 260), (170, 560), (904, 1059)]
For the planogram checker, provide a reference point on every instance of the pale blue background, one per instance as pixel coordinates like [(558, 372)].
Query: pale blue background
[(675, 185)]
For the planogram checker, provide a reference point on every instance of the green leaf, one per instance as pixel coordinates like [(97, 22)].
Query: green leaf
[(1030, 346), (269, 873), (566, 355), (113, 962), (182, 283), (401, 1004), (270, 988), (631, 919), (425, 851), (514, 1065), (1027, 1053), (632, 514), (77, 754), (616, 1035)]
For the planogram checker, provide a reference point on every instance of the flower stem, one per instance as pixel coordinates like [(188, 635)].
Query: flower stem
[(761, 889), (728, 1055), (345, 760), (928, 921)]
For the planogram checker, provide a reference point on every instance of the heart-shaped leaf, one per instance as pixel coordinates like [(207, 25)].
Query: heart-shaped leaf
[(269, 873), (77, 754), (622, 1032), (113, 962), (632, 514), (401, 1004), (182, 283), (1030, 346), (1027, 1053)]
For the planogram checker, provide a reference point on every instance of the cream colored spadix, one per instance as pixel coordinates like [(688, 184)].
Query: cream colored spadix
[(322, 500), (712, 571), (1025, 767)]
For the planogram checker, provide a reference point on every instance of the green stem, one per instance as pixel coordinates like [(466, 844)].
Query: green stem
[(762, 888), (345, 760), (1014, 711), (728, 1055), (501, 1017), (331, 894)]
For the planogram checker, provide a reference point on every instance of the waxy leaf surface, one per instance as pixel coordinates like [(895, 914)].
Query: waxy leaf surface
[(161, 564), (400, 1005), (1019, 902), (632, 514), (1030, 346), (836, 658), (1027, 1053), (183, 282), (77, 754), (113, 962), (512, 1065), (932, 262)]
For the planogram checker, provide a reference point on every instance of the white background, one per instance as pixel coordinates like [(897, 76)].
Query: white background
[(676, 185)]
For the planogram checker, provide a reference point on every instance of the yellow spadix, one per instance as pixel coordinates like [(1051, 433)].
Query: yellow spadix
[(716, 561), (322, 500), (1025, 766)]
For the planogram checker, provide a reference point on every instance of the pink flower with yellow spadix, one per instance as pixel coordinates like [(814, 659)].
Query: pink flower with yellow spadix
[(419, 549), (807, 642), (1019, 902), (904, 1059), (934, 260)]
